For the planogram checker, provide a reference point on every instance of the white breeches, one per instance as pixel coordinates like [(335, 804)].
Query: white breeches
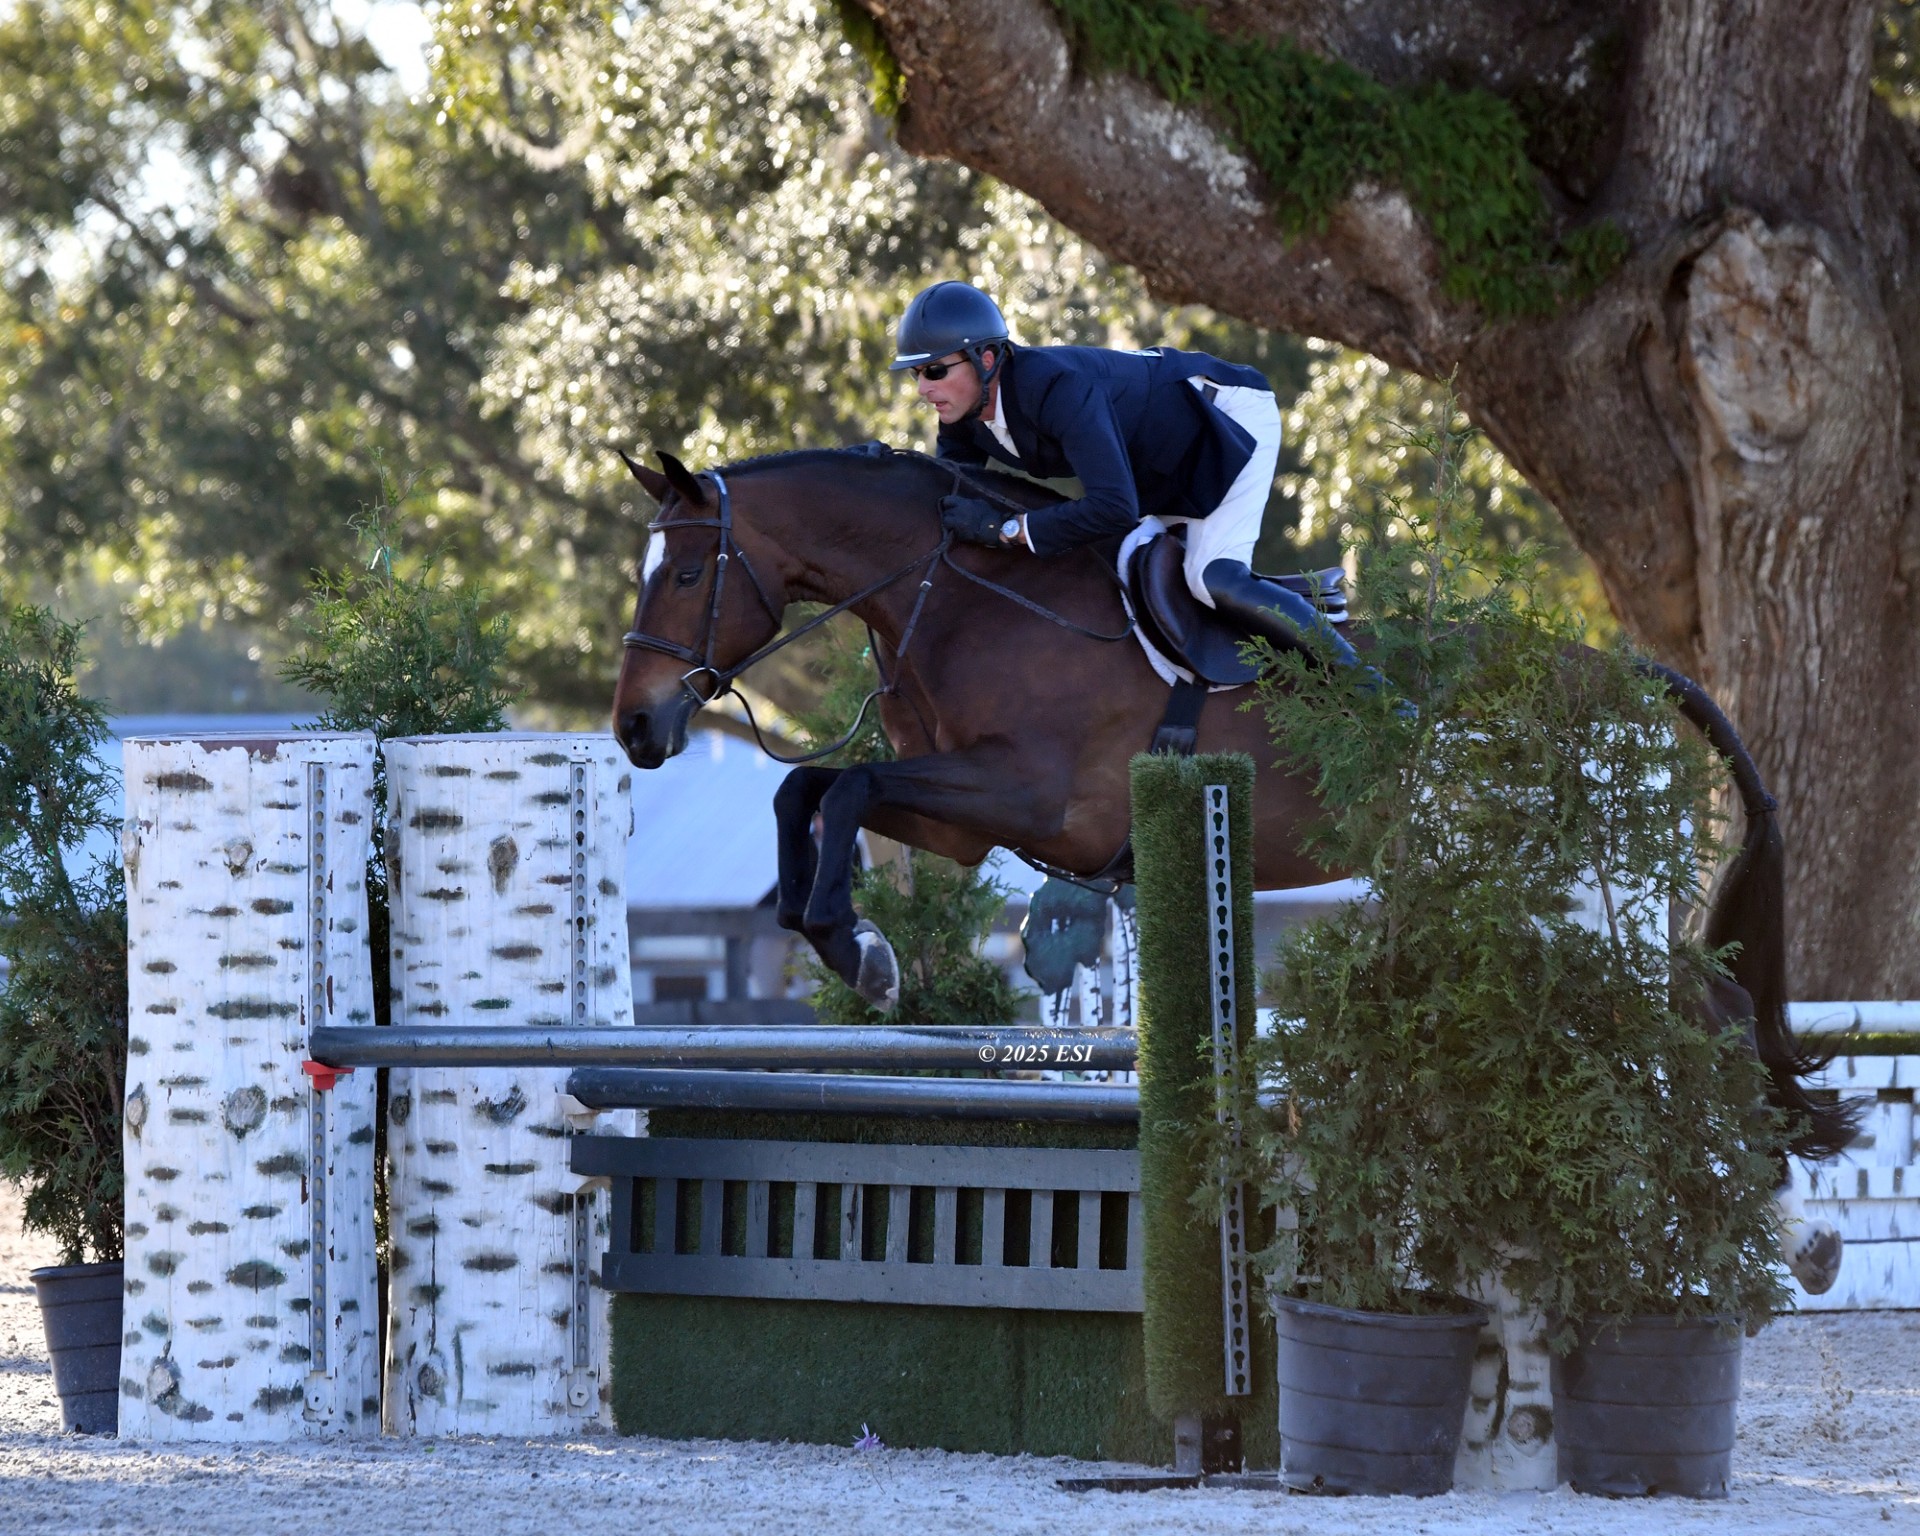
[(1231, 530)]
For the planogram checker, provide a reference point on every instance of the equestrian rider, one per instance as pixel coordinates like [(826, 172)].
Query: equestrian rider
[(1180, 436)]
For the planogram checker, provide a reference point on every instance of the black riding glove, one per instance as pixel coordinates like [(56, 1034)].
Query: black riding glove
[(971, 520)]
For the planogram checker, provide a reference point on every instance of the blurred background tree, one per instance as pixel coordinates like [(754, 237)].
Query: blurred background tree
[(245, 260)]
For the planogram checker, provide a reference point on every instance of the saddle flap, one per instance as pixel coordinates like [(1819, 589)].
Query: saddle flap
[(1192, 635), (1185, 632)]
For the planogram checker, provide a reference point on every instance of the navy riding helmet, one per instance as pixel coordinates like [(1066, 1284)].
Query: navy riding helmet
[(951, 317)]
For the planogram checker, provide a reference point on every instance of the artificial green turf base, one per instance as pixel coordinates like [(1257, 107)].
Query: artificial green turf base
[(954, 1378), (959, 1378)]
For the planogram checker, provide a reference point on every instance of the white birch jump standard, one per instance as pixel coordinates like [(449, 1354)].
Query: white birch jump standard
[(250, 1294), (506, 858)]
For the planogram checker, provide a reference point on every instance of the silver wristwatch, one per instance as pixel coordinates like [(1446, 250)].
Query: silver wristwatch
[(1010, 529)]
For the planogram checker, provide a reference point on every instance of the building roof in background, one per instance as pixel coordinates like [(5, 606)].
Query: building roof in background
[(703, 827)]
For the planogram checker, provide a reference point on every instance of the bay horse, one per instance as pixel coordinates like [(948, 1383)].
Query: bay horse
[(1015, 699)]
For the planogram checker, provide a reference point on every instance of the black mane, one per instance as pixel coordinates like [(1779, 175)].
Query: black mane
[(1028, 493)]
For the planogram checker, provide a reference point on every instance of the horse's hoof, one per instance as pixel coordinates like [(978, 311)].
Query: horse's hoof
[(1813, 1256), (879, 978)]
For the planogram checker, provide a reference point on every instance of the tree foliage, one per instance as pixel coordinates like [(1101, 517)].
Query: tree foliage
[(242, 267), (398, 649), (1353, 438), (1501, 1065), (63, 934)]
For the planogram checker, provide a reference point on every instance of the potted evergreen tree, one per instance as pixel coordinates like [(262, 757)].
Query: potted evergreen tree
[(1501, 1067), (63, 1008)]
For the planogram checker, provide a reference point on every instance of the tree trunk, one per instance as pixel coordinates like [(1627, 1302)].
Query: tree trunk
[(1726, 423), (250, 1301), (507, 887)]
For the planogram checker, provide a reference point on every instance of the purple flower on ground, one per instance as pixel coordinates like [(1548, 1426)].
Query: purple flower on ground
[(868, 1441)]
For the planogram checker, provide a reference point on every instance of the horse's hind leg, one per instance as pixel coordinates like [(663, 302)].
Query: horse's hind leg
[(794, 805)]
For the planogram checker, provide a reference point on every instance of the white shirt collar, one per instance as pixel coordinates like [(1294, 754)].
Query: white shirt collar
[(997, 426)]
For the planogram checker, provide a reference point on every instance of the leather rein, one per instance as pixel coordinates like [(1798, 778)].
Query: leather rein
[(721, 679)]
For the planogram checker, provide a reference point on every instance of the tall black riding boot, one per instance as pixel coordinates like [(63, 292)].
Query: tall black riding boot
[(1269, 609), (1286, 618)]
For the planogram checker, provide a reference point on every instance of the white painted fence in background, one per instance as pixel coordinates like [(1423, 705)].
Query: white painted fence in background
[(1892, 1018)]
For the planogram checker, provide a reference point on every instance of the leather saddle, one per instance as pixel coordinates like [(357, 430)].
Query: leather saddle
[(1192, 635)]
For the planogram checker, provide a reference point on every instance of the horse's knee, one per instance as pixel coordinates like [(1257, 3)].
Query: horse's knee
[(799, 793), (851, 789)]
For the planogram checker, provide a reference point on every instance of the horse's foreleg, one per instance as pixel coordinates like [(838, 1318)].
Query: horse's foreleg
[(978, 791), (794, 805), (862, 959)]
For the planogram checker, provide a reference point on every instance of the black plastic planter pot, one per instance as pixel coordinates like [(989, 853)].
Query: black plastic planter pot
[(1372, 1402), (80, 1304), (1647, 1406)]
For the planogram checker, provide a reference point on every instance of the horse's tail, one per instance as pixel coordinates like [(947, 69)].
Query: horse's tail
[(1750, 911)]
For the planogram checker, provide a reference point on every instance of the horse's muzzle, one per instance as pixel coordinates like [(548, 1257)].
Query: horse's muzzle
[(651, 736)]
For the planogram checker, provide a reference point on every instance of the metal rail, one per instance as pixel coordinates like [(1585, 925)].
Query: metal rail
[(1892, 1018), (928, 1047), (944, 1098)]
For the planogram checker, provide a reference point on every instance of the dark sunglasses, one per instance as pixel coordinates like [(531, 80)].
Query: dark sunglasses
[(934, 371)]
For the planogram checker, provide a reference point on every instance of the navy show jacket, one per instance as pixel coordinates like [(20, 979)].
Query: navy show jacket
[(1140, 439)]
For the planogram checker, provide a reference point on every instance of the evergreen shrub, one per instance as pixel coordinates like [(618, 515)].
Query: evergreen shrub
[(398, 650), (63, 934), (1499, 1065)]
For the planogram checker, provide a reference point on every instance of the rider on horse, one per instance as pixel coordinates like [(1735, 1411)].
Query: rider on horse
[(1180, 436)]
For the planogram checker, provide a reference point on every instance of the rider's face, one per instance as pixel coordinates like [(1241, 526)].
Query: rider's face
[(955, 393)]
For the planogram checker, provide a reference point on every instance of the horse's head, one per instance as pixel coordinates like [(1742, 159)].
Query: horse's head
[(702, 609)]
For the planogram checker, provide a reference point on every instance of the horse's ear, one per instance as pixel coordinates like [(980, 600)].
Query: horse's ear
[(682, 480), (652, 481)]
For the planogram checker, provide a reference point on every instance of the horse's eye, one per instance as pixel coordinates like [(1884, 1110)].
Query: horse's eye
[(686, 577)]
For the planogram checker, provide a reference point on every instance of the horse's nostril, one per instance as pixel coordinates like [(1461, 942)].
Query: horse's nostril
[(633, 725)]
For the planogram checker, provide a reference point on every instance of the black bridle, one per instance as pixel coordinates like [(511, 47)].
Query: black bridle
[(700, 659)]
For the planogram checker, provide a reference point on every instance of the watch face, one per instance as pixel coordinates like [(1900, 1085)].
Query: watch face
[(1010, 529)]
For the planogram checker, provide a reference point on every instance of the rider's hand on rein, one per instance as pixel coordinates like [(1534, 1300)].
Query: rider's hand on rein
[(970, 519)]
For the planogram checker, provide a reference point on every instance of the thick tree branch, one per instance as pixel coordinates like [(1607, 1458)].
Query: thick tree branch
[(992, 83)]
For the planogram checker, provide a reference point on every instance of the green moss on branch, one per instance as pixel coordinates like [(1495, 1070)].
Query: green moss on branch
[(1316, 127), (889, 82)]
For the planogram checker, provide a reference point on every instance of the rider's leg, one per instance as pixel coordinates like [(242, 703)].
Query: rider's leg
[(1219, 564), (1230, 531)]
